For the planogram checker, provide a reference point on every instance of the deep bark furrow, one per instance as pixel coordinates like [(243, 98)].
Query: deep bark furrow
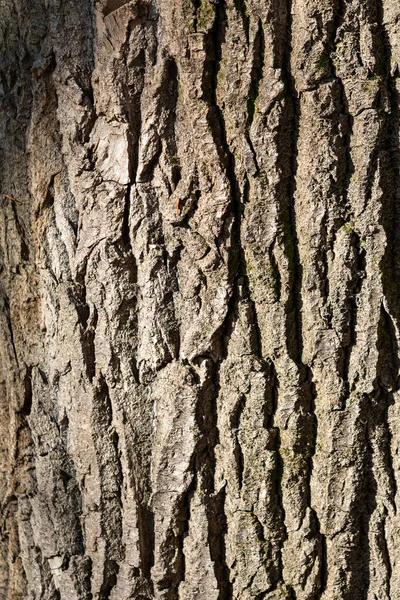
[(289, 212), (106, 443)]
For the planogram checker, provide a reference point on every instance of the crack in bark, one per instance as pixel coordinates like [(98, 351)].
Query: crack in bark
[(111, 481), (358, 268), (288, 215), (207, 422)]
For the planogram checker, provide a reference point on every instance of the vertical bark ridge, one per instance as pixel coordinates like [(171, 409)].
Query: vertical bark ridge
[(243, 295)]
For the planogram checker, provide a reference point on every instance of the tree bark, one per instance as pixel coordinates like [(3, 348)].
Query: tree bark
[(199, 301)]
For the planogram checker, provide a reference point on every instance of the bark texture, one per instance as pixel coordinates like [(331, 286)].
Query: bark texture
[(199, 301)]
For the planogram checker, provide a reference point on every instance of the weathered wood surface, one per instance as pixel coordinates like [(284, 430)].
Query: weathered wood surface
[(199, 256)]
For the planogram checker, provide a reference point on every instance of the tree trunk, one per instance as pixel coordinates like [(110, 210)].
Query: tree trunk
[(200, 312)]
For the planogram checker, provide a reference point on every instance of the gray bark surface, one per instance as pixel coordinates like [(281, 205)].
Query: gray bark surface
[(199, 299)]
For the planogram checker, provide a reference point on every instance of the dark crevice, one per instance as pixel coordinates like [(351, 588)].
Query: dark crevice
[(7, 315), (217, 530), (276, 276), (132, 89), (345, 165), (358, 270), (386, 383), (310, 421), (359, 576), (204, 465), (234, 423), (272, 402), (323, 270), (345, 172), (287, 163), (383, 547), (167, 104), (111, 480), (324, 567), (390, 185), (145, 523), (110, 573), (113, 5), (126, 238), (196, 6), (69, 494), (388, 364), (88, 323), (22, 236), (48, 200), (27, 406), (256, 73)]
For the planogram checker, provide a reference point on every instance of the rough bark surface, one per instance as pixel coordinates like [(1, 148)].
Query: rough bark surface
[(199, 301)]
